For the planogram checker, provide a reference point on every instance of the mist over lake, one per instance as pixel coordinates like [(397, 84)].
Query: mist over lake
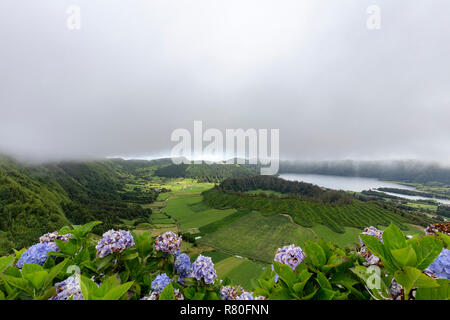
[(356, 184)]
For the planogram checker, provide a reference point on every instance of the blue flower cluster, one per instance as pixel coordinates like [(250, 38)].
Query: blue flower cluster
[(168, 242), (68, 289), (160, 282), (114, 241), (245, 295), (231, 293), (183, 266), (372, 231), (203, 268), (290, 255), (228, 293), (52, 236), (440, 267), (37, 254)]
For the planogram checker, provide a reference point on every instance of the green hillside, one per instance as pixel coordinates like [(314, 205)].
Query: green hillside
[(38, 199), (207, 172), (309, 206)]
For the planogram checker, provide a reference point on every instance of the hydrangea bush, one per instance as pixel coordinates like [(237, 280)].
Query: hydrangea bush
[(74, 264)]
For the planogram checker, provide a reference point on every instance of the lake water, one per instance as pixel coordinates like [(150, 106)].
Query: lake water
[(356, 184)]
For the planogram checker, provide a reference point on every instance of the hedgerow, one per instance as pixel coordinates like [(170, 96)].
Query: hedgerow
[(74, 264)]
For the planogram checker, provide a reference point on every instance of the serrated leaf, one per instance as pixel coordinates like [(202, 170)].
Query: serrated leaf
[(325, 294), (88, 288), (285, 273), (405, 256), (117, 292), (410, 277), (393, 238), (427, 250), (315, 254), (439, 293), (6, 262)]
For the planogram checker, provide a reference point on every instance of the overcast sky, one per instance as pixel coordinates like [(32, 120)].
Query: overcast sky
[(137, 70)]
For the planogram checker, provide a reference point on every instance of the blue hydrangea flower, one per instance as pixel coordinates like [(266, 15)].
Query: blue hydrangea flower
[(441, 265), (37, 254), (245, 295), (183, 264), (68, 289), (290, 255), (168, 242), (228, 293), (160, 282), (114, 241), (203, 268)]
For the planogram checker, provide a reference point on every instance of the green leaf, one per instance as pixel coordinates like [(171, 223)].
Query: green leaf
[(411, 277), (374, 245), (88, 288), (405, 256), (50, 292), (29, 268), (427, 249), (439, 293), (108, 284), (299, 286), (325, 294), (6, 262), (18, 283), (117, 292), (323, 281), (380, 293), (393, 238), (189, 292), (167, 293), (315, 254), (53, 273), (377, 248), (37, 279), (285, 273)]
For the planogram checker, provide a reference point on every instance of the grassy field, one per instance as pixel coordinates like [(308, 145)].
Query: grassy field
[(239, 270), (256, 236), (229, 233), (189, 212)]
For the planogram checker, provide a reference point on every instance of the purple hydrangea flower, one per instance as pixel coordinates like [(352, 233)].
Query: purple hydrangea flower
[(160, 282), (372, 231), (203, 268), (440, 267), (69, 288), (52, 236), (168, 242), (290, 255), (114, 241), (37, 254)]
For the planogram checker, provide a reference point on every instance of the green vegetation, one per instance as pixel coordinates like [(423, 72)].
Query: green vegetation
[(207, 172), (190, 213), (257, 237), (35, 199), (358, 214)]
